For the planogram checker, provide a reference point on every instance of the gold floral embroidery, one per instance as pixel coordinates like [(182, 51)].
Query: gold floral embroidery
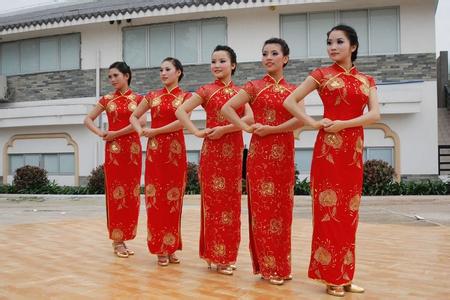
[(177, 102), (277, 152), (132, 106), (219, 250), (131, 97), (269, 261), (114, 147), (270, 115), (135, 149), (137, 190), (227, 217), (322, 256), (252, 150), (153, 144), (276, 226), (117, 235), (348, 258), (227, 150), (218, 183), (229, 91), (119, 192), (359, 145), (111, 106), (267, 189), (335, 83), (108, 96), (156, 101), (354, 203), (173, 194), (169, 239), (175, 147), (278, 88), (365, 89), (328, 198), (334, 140), (150, 190), (219, 117)]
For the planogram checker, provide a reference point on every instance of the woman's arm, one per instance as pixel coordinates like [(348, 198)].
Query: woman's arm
[(372, 116), (90, 118), (218, 131), (136, 117), (230, 107), (183, 112)]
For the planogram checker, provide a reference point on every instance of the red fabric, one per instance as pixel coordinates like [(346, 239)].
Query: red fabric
[(336, 175), (270, 180), (122, 167), (165, 174), (220, 176)]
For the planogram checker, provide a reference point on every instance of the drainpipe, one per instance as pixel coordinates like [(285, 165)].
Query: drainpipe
[(97, 96)]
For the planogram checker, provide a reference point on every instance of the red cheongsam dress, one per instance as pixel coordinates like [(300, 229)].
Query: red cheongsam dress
[(122, 167), (165, 174), (270, 180), (220, 176), (337, 175)]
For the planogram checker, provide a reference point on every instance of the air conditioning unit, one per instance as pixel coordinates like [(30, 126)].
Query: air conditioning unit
[(3, 87)]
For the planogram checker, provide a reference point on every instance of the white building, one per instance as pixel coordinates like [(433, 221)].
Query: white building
[(55, 60)]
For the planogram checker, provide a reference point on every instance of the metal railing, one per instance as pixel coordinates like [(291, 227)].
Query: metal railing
[(444, 159)]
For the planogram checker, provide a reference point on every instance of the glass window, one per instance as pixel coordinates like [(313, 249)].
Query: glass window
[(160, 43), (319, 25), (32, 160), (186, 41), (213, 34), (193, 156), (381, 153), (49, 54), (51, 163), (29, 54), (135, 53), (15, 161), (70, 52), (383, 31), (66, 163), (294, 29), (10, 58), (303, 159)]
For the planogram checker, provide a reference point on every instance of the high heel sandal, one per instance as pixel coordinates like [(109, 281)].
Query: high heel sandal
[(353, 288), (224, 270), (130, 252), (173, 259), (120, 250), (276, 281), (337, 291), (163, 260)]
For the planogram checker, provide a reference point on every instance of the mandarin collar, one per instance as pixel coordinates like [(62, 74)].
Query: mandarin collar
[(270, 79), (340, 68)]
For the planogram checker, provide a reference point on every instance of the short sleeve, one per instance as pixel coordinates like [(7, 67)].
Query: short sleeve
[(372, 83), (202, 92), (249, 88), (102, 102), (186, 96), (148, 98), (317, 75)]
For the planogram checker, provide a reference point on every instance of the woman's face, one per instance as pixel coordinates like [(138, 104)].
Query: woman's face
[(168, 73), (221, 66), (117, 79), (273, 58), (338, 46)]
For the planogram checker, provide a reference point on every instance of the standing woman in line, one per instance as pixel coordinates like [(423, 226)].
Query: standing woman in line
[(270, 163), (122, 157), (220, 172), (165, 168), (336, 172)]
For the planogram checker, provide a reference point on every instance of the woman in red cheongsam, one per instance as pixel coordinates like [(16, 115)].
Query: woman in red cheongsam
[(122, 157), (165, 167), (270, 164), (220, 173), (336, 172)]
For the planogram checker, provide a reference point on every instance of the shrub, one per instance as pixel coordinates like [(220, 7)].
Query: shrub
[(192, 184), (96, 181), (29, 178), (377, 175)]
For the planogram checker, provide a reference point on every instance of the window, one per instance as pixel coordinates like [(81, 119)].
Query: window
[(378, 31), (381, 153), (193, 156), (40, 55), (53, 163), (190, 41)]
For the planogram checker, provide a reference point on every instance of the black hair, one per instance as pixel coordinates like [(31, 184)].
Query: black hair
[(350, 33), (284, 46), (177, 64), (123, 68), (231, 54)]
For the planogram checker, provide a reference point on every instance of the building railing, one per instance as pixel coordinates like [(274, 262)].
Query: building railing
[(444, 159)]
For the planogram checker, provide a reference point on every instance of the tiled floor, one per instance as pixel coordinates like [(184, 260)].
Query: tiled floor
[(71, 258)]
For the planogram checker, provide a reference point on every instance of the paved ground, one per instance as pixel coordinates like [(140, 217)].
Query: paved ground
[(56, 248)]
